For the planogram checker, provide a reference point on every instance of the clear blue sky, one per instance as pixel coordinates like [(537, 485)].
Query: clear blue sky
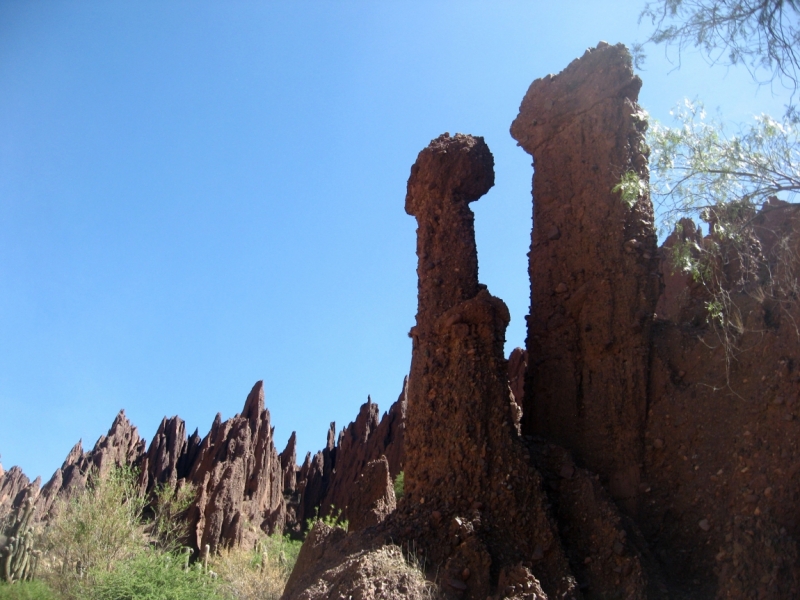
[(197, 195)]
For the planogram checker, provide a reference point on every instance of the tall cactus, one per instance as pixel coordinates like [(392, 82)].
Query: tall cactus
[(18, 559)]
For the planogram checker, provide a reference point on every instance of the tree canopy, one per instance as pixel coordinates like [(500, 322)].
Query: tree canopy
[(701, 168), (762, 35), (697, 166)]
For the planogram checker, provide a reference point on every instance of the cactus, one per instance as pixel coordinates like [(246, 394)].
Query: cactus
[(187, 555), (18, 559), (206, 552)]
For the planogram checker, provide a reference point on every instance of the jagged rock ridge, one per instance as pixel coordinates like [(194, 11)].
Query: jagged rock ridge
[(239, 475)]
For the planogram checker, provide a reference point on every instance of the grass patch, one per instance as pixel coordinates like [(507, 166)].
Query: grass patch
[(26, 590), (153, 575), (258, 574)]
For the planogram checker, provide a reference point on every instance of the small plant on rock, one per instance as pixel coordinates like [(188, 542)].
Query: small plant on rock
[(399, 485), (332, 519)]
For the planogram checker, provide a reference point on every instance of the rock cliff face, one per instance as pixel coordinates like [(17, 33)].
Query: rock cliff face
[(693, 433), (722, 462)]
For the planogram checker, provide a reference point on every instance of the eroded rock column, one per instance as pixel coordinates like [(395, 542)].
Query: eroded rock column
[(593, 266), (473, 502)]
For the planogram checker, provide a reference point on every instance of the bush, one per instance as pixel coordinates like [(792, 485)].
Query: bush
[(169, 528), (152, 575), (26, 590), (259, 574), (93, 531), (399, 485), (332, 519)]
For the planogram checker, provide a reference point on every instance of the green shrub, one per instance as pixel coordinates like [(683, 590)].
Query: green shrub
[(92, 532), (152, 575), (332, 519), (26, 590), (169, 528), (399, 483)]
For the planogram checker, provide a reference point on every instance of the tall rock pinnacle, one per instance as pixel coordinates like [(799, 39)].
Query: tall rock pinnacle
[(475, 503), (593, 265)]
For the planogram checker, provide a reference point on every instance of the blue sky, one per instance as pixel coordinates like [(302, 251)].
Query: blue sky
[(198, 195)]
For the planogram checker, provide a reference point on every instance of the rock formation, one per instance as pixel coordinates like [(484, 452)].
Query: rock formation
[(239, 475), (373, 496), (13, 488), (170, 455), (593, 266), (474, 503), (722, 463), (472, 499), (328, 480), (692, 430), (120, 447), (239, 478)]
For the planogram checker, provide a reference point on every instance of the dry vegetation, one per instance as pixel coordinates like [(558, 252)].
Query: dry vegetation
[(111, 543)]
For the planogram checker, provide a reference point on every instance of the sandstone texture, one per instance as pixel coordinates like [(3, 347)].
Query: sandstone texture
[(691, 428), (373, 496), (593, 266)]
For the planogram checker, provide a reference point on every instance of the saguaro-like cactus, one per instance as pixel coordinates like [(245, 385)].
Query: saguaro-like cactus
[(18, 559)]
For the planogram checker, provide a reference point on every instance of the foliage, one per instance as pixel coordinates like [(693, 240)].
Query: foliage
[(94, 530), (332, 519), (26, 590), (700, 171), (152, 575), (259, 574), (399, 485), (169, 527), (99, 549), (762, 35), (630, 188), (697, 169)]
